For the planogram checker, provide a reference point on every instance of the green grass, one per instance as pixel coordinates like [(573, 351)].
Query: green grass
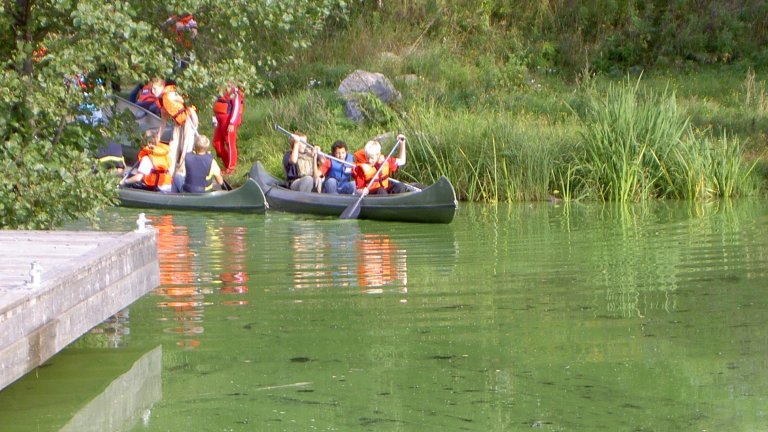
[(504, 131)]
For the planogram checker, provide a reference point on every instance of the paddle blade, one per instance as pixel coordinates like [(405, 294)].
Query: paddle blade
[(353, 211)]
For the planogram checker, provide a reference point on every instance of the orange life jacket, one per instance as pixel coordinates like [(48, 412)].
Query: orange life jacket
[(173, 104), (161, 163), (366, 171), (360, 156), (39, 54), (146, 151)]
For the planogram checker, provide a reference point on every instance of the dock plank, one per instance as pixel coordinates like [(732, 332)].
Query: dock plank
[(86, 278)]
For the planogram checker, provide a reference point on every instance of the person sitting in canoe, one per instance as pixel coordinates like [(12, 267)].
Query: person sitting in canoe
[(148, 141), (364, 172), (142, 96), (300, 164), (153, 172), (338, 175), (109, 158), (199, 170)]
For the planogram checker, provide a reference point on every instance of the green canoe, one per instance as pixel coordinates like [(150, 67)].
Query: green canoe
[(434, 204), (247, 198)]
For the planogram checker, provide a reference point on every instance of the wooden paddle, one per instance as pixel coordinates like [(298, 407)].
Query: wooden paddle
[(225, 184), (353, 211), (128, 172)]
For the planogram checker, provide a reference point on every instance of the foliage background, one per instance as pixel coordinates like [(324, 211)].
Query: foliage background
[(496, 93), (46, 156)]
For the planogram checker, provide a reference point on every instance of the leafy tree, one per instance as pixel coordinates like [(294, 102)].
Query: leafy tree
[(46, 154)]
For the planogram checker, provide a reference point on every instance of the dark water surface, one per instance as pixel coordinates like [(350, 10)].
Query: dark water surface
[(561, 318)]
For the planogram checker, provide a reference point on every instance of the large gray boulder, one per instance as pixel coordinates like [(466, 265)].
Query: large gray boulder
[(361, 81)]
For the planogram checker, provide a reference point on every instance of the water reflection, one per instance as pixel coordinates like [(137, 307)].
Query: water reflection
[(111, 333), (126, 402), (342, 255), (189, 258), (380, 262), (635, 258), (85, 388), (234, 275), (580, 317)]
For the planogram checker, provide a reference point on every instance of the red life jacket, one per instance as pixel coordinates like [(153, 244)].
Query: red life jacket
[(146, 95), (180, 25), (360, 156), (188, 21), (221, 105), (225, 103)]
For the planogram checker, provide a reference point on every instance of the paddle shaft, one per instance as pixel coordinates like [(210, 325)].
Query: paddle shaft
[(319, 151), (353, 211)]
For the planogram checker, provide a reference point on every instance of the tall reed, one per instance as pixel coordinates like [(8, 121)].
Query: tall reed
[(731, 175), (755, 97), (488, 156), (637, 145), (626, 137)]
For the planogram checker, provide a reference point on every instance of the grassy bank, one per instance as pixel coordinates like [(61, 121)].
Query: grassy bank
[(511, 131)]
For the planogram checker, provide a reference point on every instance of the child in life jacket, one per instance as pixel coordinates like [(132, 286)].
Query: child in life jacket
[(364, 173), (153, 171)]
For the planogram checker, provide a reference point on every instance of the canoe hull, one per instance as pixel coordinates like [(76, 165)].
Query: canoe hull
[(248, 198), (434, 204)]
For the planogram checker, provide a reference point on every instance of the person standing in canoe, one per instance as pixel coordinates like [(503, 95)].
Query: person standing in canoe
[(300, 164), (364, 173), (199, 170), (184, 118), (338, 176), (228, 114)]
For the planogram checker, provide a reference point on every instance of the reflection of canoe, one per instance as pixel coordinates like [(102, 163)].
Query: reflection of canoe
[(434, 204), (247, 198)]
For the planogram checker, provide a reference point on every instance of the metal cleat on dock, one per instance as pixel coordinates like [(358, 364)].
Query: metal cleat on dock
[(142, 223), (35, 274)]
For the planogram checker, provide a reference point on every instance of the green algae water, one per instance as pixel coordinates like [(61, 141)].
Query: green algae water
[(560, 318)]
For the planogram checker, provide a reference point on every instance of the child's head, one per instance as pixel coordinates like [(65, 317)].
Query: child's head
[(293, 139), (339, 149), (149, 138), (202, 144), (372, 151), (158, 84)]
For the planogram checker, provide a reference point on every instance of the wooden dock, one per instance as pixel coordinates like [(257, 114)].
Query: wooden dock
[(79, 279)]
